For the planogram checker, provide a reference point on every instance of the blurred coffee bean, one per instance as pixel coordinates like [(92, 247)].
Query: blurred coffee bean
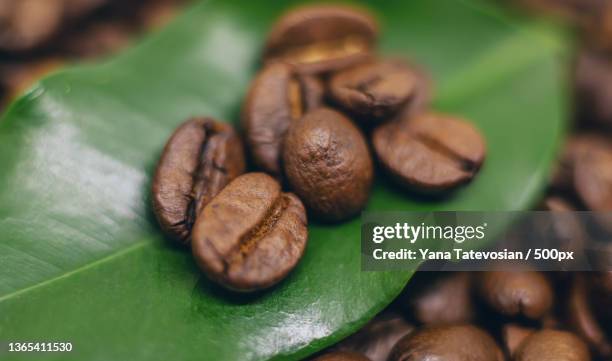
[(26, 24), (513, 335), (441, 298), (376, 90), (251, 235), (593, 87), (199, 159), (377, 338), (341, 356), (583, 321), (277, 97), (552, 345), (328, 164), (528, 294), (430, 153), (98, 40), (322, 38), (447, 343)]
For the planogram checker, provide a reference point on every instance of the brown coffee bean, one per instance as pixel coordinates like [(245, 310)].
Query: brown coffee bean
[(562, 228), (322, 38), (328, 164), (430, 153), (514, 335), (251, 235), (584, 322), (277, 97), (377, 338), (442, 298), (200, 158), (552, 345), (584, 169), (527, 294), (341, 356), (376, 91), (447, 343)]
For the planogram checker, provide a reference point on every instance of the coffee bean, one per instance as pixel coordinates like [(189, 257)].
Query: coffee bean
[(377, 90), (447, 343), (553, 345), (527, 294), (441, 298), (583, 320), (251, 235), (200, 158), (430, 153), (322, 38), (584, 169), (513, 336), (377, 338), (341, 356), (328, 164), (277, 96)]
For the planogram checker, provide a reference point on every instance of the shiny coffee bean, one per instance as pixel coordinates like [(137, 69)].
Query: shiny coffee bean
[(322, 38), (583, 320), (528, 294), (552, 345), (447, 343), (376, 91), (341, 356), (277, 97), (378, 337), (441, 298), (251, 235), (430, 153), (328, 164), (200, 158)]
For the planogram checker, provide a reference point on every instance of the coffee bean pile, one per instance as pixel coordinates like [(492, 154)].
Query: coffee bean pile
[(480, 316), (321, 92)]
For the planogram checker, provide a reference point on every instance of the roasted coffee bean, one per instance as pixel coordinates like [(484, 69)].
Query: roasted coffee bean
[(447, 343), (585, 170), (341, 356), (378, 337), (328, 164), (514, 335), (583, 321), (593, 87), (430, 153), (441, 298), (527, 294), (251, 235), (200, 158), (277, 96), (552, 345), (377, 90), (322, 38)]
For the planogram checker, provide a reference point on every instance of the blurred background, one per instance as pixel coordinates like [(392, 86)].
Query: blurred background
[(40, 36)]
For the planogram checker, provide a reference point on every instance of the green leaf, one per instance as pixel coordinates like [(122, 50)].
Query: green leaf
[(82, 259)]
